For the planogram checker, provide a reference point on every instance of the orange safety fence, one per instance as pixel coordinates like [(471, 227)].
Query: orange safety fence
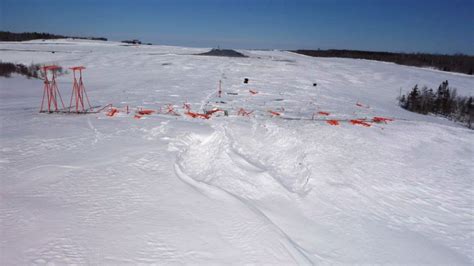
[(197, 115), (113, 111), (362, 105), (378, 119), (187, 106), (359, 122), (274, 113), (333, 122), (145, 112), (170, 110), (211, 112), (206, 115), (242, 112)]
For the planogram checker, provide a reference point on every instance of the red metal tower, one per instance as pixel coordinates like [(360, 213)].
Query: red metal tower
[(78, 92), (51, 91)]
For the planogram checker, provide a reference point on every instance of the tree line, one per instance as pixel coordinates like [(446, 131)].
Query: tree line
[(452, 63), (444, 101), (7, 36), (31, 71)]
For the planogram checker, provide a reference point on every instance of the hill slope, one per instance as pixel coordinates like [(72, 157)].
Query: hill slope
[(277, 189)]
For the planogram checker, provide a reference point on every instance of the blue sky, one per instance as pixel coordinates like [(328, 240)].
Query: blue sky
[(382, 25)]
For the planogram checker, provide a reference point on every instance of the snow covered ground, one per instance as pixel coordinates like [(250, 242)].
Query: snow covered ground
[(93, 189)]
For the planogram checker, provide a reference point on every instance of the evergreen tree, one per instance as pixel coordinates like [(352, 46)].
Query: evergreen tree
[(413, 101), (445, 102), (402, 101), (469, 112)]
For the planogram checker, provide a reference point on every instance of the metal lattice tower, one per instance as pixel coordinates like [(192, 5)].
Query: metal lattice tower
[(78, 92), (50, 91)]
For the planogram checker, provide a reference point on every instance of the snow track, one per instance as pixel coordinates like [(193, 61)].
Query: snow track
[(207, 164), (236, 158)]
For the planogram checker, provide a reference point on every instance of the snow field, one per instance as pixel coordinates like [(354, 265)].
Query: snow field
[(93, 189)]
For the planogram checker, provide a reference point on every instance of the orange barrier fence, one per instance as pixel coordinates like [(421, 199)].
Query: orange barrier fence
[(378, 119), (113, 111), (274, 113), (197, 115), (242, 112), (145, 112), (211, 112), (169, 109), (362, 105), (359, 122)]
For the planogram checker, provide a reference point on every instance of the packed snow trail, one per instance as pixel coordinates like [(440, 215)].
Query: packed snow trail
[(94, 189), (239, 163)]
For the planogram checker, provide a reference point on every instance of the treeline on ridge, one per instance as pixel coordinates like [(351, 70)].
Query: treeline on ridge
[(453, 63), (7, 36)]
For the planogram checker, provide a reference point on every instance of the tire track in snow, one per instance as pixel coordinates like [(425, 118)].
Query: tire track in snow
[(209, 188), (299, 254)]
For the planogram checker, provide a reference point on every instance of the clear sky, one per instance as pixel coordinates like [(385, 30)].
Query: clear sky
[(383, 25)]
